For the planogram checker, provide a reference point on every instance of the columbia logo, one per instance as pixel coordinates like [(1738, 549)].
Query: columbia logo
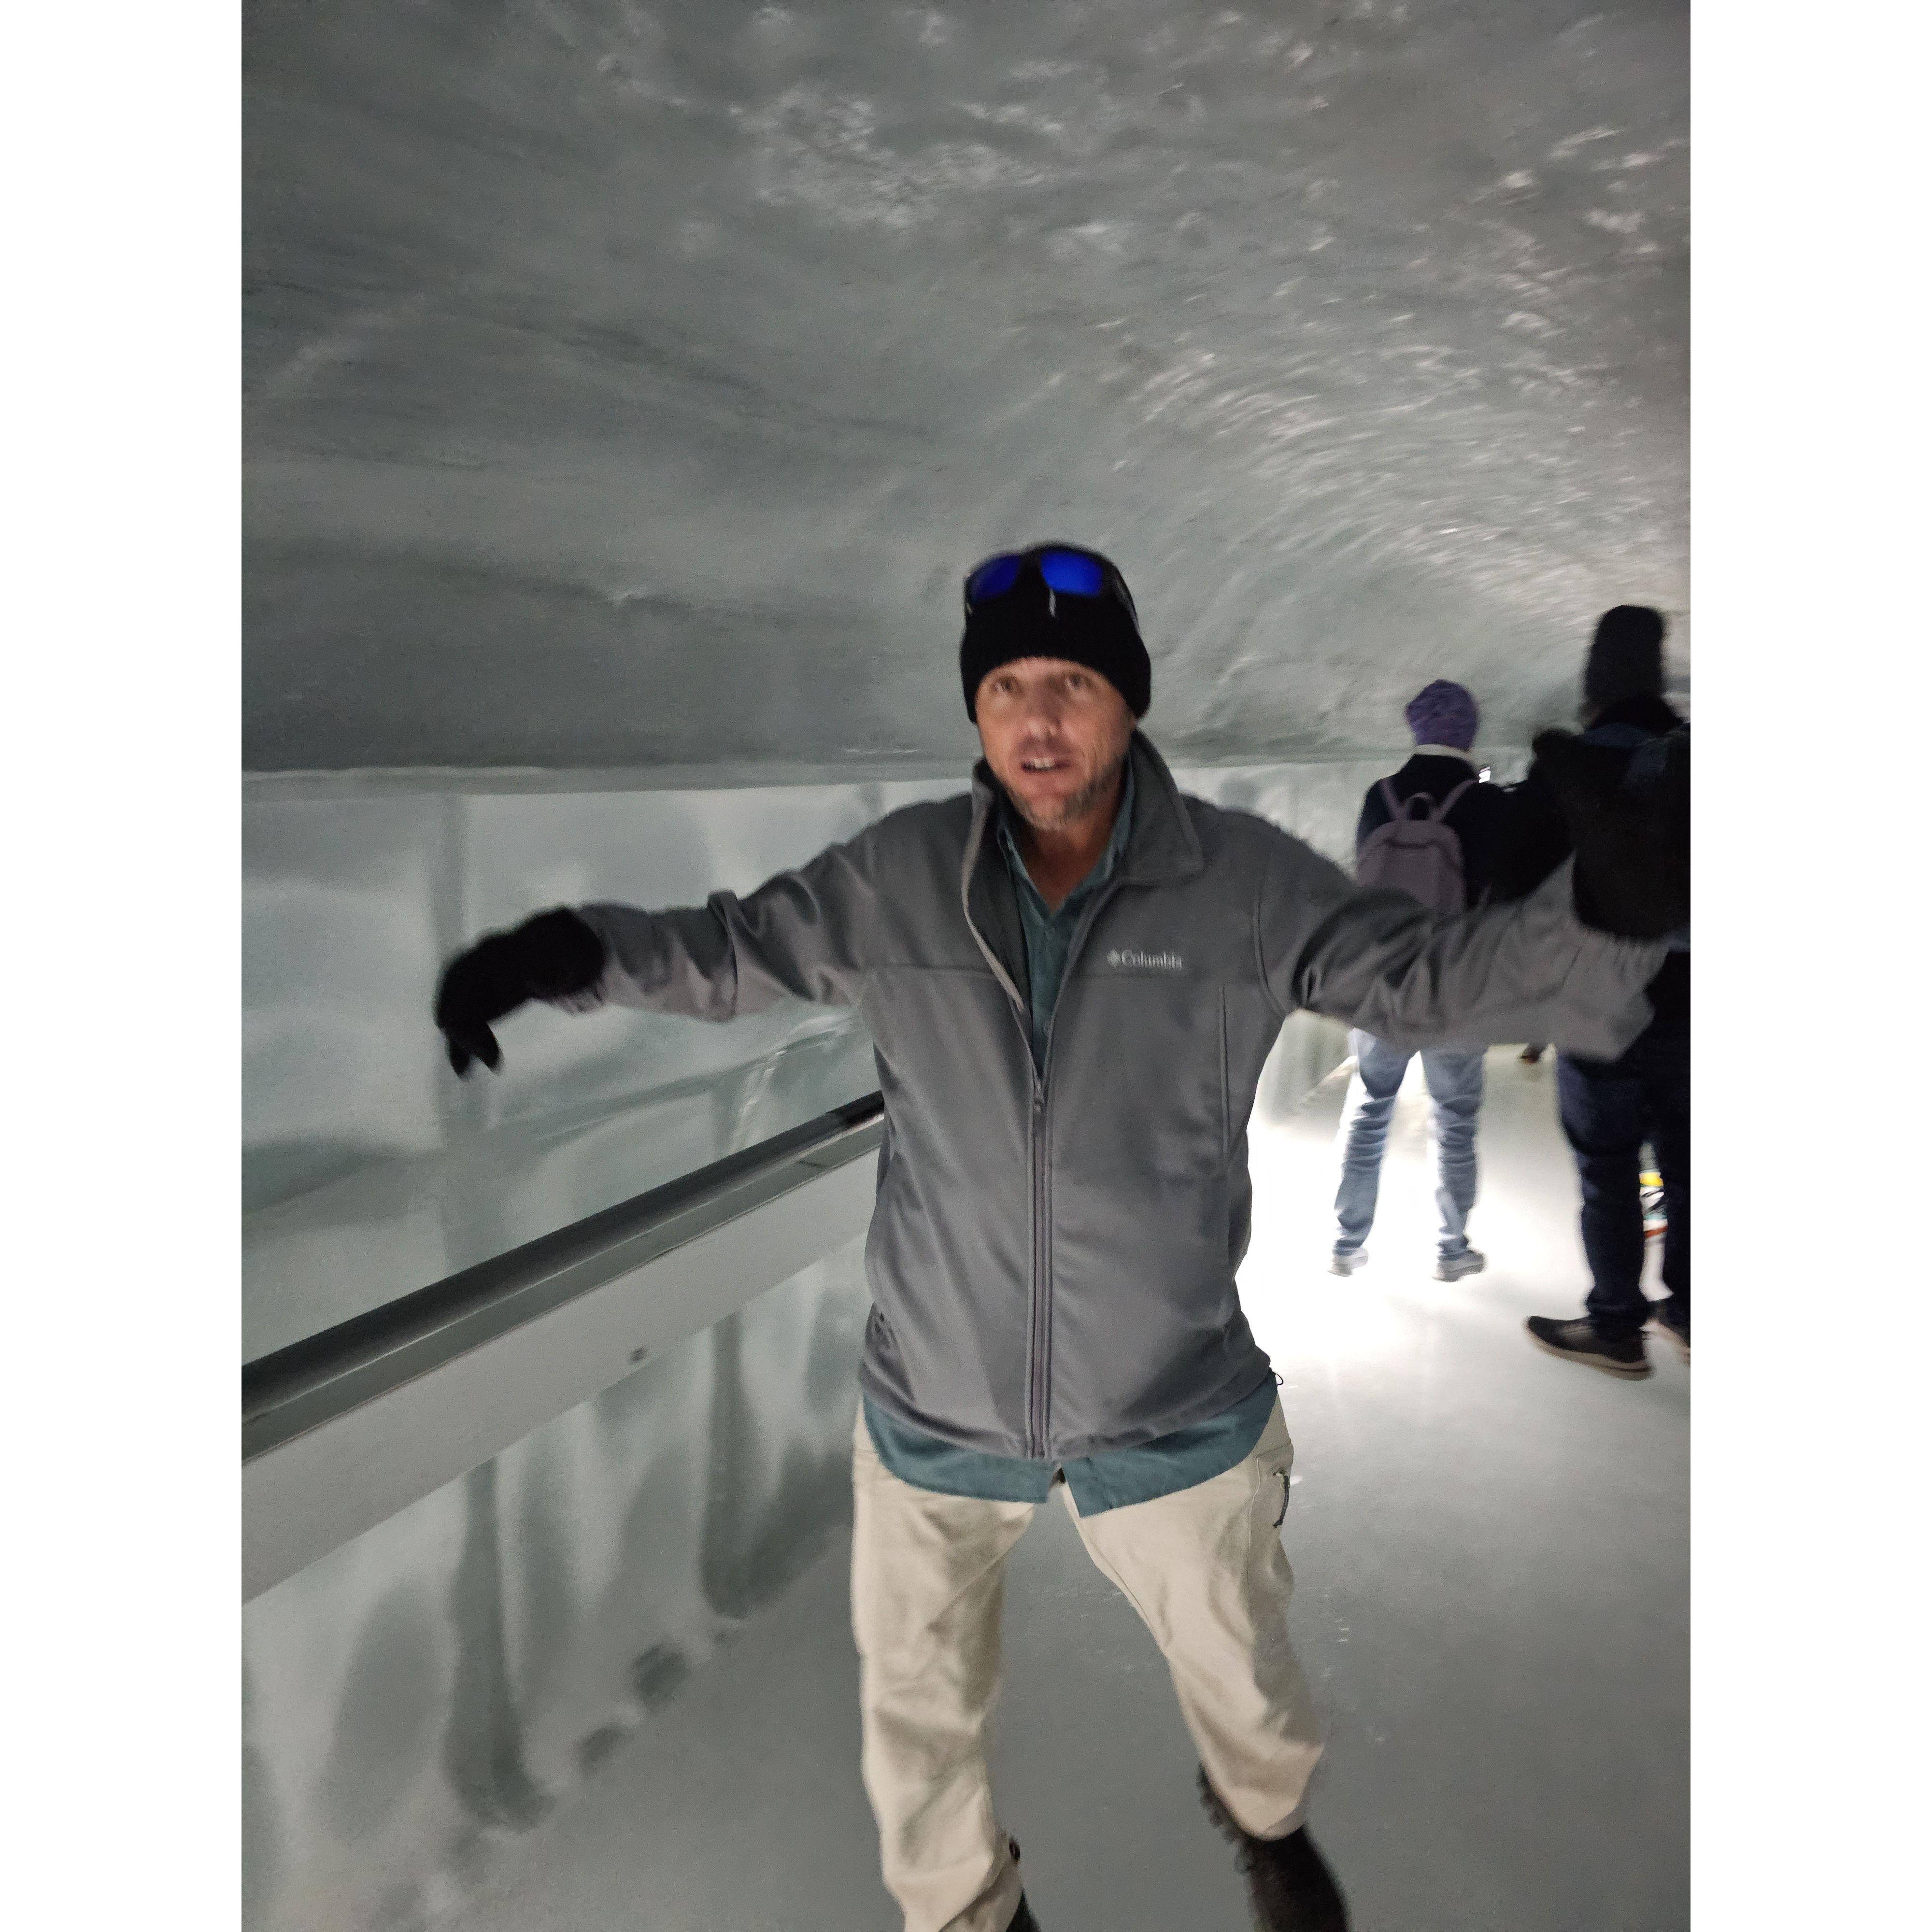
[(1157, 962)]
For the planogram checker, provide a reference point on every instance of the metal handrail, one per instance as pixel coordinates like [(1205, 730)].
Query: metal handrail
[(324, 1375)]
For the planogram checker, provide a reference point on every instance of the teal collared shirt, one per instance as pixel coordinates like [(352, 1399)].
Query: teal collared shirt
[(1115, 1476), (1049, 935), (1109, 1481)]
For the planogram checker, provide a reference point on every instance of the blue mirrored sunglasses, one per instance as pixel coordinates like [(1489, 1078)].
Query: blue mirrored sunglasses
[(1070, 572)]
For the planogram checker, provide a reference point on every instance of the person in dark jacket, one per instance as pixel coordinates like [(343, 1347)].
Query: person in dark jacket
[(1443, 718), (1610, 1108)]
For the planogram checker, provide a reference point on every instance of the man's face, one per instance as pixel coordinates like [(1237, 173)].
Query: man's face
[(1055, 734)]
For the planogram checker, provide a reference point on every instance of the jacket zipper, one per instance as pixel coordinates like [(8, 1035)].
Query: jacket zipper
[(1035, 1160), (1039, 1341), (1040, 1354)]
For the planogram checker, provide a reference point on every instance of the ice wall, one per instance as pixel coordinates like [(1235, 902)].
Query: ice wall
[(368, 1168)]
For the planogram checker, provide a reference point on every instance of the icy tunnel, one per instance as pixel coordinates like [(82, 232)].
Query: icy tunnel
[(628, 386)]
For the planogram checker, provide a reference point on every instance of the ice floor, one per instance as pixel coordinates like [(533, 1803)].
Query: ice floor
[(1491, 1550)]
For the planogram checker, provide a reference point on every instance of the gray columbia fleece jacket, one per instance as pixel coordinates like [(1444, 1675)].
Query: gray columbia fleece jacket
[(1052, 1254)]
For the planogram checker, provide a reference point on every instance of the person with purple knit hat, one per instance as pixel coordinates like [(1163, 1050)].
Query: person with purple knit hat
[(1442, 719)]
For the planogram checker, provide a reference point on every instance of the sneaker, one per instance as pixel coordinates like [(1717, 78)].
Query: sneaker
[(1664, 1323), (1290, 1887), (1346, 1260), (1579, 1342), (1453, 1267)]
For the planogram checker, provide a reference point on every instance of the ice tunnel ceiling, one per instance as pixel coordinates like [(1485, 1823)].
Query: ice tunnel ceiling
[(630, 384)]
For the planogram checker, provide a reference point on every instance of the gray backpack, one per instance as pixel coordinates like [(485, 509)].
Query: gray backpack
[(1421, 856)]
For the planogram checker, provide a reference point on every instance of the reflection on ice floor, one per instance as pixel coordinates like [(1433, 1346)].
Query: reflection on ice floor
[(1491, 1552)]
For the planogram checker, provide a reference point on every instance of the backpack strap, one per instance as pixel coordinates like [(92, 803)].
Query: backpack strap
[(1432, 814)]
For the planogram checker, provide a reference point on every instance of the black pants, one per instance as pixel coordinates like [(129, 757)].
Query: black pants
[(1610, 1108)]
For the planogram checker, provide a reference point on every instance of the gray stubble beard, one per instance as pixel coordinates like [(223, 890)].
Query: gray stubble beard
[(1079, 804)]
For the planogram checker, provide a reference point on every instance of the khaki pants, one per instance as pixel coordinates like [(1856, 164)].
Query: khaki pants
[(1205, 1568)]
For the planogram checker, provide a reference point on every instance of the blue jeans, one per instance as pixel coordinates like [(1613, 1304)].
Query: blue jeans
[(1454, 1077), (1610, 1109)]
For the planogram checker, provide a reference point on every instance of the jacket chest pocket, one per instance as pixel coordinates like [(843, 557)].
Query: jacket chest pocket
[(1139, 1074)]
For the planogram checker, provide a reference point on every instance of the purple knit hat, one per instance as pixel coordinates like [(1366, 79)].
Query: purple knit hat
[(1443, 713)]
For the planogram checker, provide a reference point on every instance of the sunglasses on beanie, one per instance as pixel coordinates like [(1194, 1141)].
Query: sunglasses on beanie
[(1065, 571)]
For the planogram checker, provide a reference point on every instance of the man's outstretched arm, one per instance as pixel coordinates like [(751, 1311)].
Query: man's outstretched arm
[(800, 934), (1536, 969), (1532, 970)]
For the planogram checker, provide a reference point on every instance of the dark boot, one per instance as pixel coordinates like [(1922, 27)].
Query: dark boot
[(1289, 1885), (1023, 1920)]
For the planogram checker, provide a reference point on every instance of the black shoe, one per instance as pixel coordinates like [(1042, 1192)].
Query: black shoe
[(1290, 1886), (1666, 1324), (1578, 1341), (1023, 1920)]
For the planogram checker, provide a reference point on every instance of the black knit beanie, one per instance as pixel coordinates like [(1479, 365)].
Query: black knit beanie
[(1626, 657), (1030, 621)]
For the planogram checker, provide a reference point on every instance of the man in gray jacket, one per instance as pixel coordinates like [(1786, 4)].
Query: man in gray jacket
[(1072, 975)]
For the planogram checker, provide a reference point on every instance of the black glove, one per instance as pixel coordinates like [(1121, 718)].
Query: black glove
[(546, 958), (1629, 821)]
